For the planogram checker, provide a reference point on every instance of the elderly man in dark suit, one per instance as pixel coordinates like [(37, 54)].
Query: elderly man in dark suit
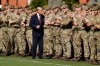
[(36, 23)]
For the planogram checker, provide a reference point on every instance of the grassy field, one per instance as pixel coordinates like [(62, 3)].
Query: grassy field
[(27, 61)]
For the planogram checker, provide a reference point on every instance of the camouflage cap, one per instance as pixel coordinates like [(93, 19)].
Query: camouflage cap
[(83, 4), (76, 5), (54, 6), (48, 8), (96, 8), (85, 8), (92, 5), (34, 9), (6, 4), (12, 7), (63, 3), (97, 3), (65, 6), (19, 7), (16, 7), (29, 8)]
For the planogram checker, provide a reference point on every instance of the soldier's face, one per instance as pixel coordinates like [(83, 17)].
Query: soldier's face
[(20, 10), (65, 10), (95, 12), (55, 10), (5, 12), (33, 13), (48, 12), (44, 11), (78, 9), (16, 10)]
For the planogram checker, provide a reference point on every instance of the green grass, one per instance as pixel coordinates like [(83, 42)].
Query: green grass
[(28, 61)]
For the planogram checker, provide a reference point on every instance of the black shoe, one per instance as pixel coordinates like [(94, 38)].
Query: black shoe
[(33, 57), (87, 59), (78, 59), (40, 58), (50, 56), (94, 62)]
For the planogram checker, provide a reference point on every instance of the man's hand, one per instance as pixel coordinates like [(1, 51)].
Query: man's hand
[(38, 26), (22, 24), (97, 26), (75, 24)]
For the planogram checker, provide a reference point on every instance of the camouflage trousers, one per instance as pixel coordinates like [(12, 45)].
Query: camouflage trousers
[(29, 39), (94, 42), (57, 40), (12, 35), (78, 38), (20, 41), (2, 45), (85, 39), (66, 41), (48, 45), (97, 37), (5, 41)]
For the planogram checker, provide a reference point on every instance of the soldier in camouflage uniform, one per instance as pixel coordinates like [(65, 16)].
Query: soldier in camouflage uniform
[(1, 44), (80, 35), (92, 39), (66, 34), (11, 30), (17, 35), (29, 32), (56, 33), (20, 36), (48, 45), (84, 34), (5, 35), (97, 34)]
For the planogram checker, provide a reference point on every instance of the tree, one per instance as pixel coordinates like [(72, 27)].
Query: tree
[(37, 3)]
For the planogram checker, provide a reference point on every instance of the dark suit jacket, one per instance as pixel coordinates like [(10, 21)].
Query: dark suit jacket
[(34, 21)]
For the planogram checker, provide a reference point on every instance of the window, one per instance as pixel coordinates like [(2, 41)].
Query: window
[(0, 2), (17, 2), (7, 1)]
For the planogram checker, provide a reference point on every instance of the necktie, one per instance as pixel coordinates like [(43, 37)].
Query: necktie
[(40, 19)]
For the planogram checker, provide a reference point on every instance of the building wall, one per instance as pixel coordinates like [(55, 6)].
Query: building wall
[(3, 2), (12, 2), (22, 3), (83, 1)]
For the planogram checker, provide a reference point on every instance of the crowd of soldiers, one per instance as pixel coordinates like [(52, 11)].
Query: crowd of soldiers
[(69, 34)]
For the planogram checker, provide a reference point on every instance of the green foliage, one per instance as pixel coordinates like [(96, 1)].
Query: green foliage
[(71, 2), (37, 3)]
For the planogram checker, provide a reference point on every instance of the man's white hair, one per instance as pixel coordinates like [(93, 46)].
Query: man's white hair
[(39, 8)]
